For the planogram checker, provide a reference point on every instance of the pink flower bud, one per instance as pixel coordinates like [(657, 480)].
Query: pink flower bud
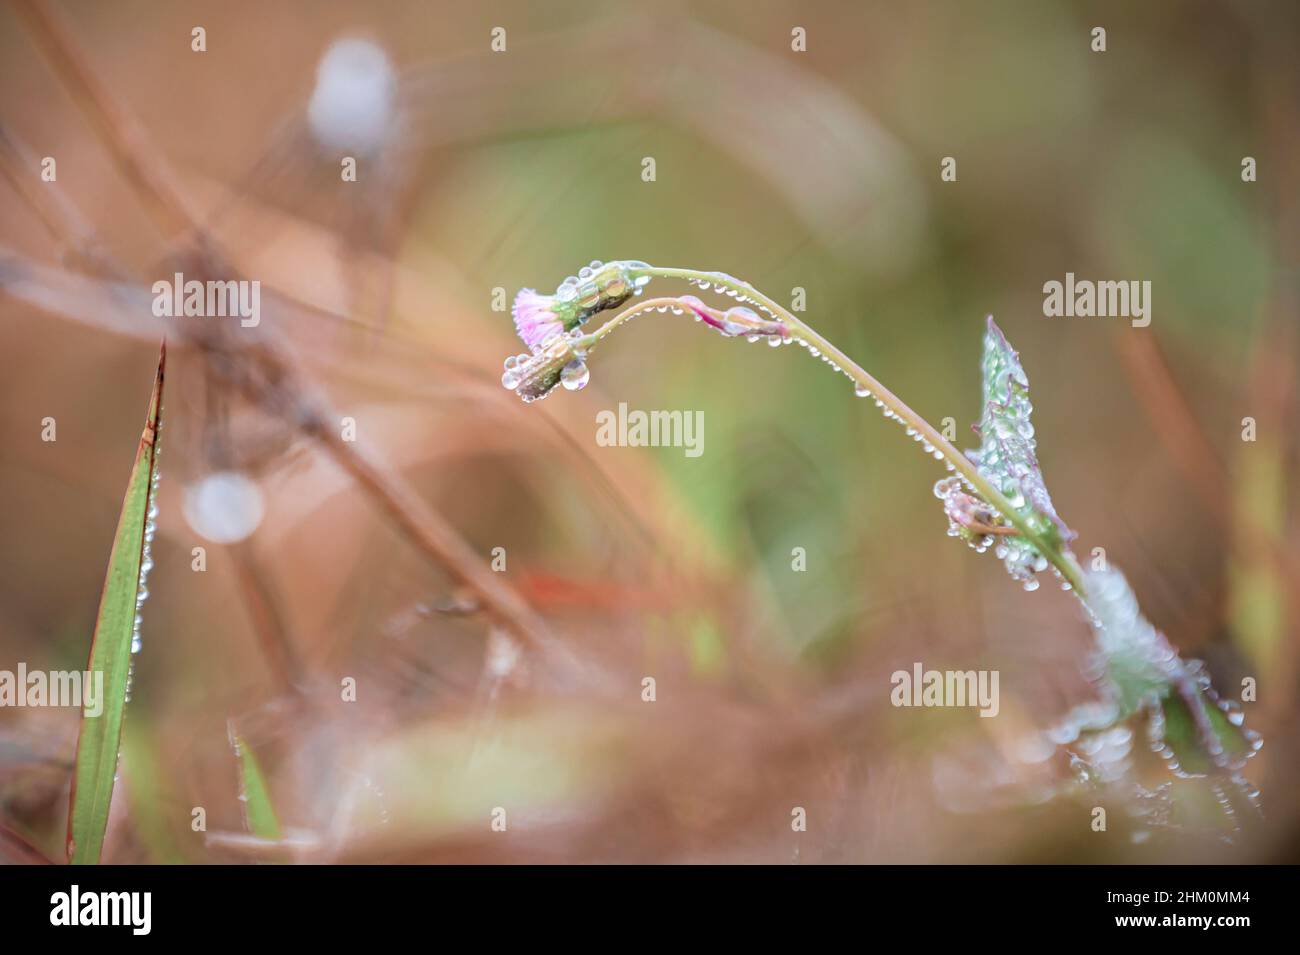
[(537, 317)]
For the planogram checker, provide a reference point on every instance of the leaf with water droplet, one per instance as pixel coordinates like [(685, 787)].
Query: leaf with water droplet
[(1007, 455), (1141, 671), (95, 771), (1140, 676)]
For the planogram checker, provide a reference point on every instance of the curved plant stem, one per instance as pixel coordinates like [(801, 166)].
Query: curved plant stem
[(1059, 557), (665, 303), (591, 340)]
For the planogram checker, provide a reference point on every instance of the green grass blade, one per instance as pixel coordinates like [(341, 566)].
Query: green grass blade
[(110, 650), (259, 814)]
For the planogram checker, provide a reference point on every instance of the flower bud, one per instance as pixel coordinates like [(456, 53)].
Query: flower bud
[(538, 317), (533, 377), (595, 288)]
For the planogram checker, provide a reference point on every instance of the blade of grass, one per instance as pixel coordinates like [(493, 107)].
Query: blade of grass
[(100, 736), (259, 814)]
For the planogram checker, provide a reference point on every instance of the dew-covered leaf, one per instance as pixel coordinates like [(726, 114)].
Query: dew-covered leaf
[(1194, 730), (1006, 455), (1006, 459), (1146, 688)]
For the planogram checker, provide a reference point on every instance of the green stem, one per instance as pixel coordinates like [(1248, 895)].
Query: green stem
[(1060, 558)]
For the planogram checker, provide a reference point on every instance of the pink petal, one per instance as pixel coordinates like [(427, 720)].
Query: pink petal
[(535, 319)]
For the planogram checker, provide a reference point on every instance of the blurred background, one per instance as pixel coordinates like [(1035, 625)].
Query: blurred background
[(480, 170)]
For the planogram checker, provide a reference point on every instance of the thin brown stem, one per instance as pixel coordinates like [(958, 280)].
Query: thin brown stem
[(116, 127)]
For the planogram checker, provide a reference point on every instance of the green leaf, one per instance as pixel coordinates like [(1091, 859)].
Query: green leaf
[(259, 813), (110, 649)]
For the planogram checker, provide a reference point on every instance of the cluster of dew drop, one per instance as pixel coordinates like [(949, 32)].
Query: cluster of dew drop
[(380, 797), (1099, 754), (237, 748), (1194, 671), (743, 319), (1101, 757), (969, 517), (558, 360), (1103, 760), (141, 591), (146, 564), (584, 293), (1022, 560), (955, 481)]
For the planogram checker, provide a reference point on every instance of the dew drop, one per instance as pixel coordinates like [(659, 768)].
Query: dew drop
[(575, 375)]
